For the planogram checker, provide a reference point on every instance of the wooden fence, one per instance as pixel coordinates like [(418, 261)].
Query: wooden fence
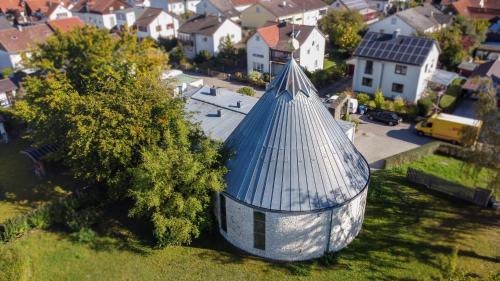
[(478, 196)]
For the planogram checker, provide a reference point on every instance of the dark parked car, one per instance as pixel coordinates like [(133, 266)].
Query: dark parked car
[(389, 118)]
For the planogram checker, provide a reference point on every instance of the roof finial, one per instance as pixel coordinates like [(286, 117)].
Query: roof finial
[(293, 44)]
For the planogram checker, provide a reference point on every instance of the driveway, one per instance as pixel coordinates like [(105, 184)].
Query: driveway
[(466, 108), (230, 85), (377, 141)]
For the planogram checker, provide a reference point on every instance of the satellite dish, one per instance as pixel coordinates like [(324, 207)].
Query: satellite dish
[(293, 44)]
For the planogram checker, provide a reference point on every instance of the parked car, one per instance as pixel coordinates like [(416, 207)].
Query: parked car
[(389, 118)]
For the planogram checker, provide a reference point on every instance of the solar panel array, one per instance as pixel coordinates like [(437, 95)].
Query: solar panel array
[(403, 49)]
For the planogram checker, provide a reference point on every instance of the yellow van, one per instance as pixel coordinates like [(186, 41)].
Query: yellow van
[(448, 127)]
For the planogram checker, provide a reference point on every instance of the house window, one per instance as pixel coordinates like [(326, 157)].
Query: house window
[(61, 15), (142, 28), (259, 230), (158, 28), (257, 9), (259, 67), (257, 37), (397, 88), (400, 69), (426, 67), (120, 16), (313, 42), (232, 35), (316, 63), (367, 82), (205, 39), (258, 55), (369, 67), (322, 12), (170, 26), (308, 51), (223, 220)]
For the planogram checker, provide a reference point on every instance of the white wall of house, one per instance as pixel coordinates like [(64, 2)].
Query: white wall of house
[(177, 8), (107, 21), (312, 51), (383, 76), (164, 26), (307, 18), (213, 42), (257, 54), (293, 236), (227, 28), (191, 5), (125, 18), (390, 24), (60, 12)]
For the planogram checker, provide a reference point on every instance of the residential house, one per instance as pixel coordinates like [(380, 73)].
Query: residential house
[(52, 9), (65, 24), (268, 49), (15, 41), (396, 64), (99, 13), (11, 6), (413, 21), (305, 12), (227, 8), (150, 22), (177, 7), (206, 33), (488, 71), (382, 6), (369, 14), (8, 91), (477, 9)]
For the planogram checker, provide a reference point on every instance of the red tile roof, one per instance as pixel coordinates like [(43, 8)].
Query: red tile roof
[(277, 35), (473, 9), (42, 6), (13, 40), (65, 25), (100, 6), (10, 5), (244, 2)]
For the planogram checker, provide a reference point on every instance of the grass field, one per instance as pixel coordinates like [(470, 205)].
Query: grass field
[(20, 189), (453, 170), (407, 235)]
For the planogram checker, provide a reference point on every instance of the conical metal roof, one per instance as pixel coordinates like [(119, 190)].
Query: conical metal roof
[(289, 152)]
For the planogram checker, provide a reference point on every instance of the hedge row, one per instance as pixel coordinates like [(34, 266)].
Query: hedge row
[(75, 212), (412, 155)]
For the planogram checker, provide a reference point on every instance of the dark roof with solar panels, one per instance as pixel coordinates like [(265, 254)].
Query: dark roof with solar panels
[(402, 49)]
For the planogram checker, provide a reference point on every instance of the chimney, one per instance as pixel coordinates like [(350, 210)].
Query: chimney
[(238, 104), (396, 33), (219, 17), (213, 91), (481, 4), (432, 14), (219, 112)]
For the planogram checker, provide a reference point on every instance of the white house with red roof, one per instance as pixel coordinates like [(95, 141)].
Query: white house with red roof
[(150, 22), (268, 49), (99, 13)]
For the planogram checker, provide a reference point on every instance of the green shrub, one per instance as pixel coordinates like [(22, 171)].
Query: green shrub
[(77, 220), (202, 57), (372, 105), (84, 235), (266, 77), (399, 104), (379, 99), (363, 98), (424, 106), (40, 218), (388, 105), (254, 79), (13, 265), (246, 91), (15, 227)]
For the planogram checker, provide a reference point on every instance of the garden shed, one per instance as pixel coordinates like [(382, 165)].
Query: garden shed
[(296, 186)]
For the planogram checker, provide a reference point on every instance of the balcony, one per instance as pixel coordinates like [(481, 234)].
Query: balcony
[(283, 57)]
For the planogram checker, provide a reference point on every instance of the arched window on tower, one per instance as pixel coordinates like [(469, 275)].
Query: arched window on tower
[(259, 230)]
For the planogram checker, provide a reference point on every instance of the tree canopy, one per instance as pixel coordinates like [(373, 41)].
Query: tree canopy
[(343, 28), (100, 99)]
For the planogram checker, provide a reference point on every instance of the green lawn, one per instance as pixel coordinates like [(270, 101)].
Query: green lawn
[(453, 170), (20, 189), (407, 235)]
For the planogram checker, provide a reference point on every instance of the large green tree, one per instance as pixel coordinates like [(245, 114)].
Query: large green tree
[(100, 99), (343, 28)]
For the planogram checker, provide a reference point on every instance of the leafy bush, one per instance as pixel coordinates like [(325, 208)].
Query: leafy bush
[(13, 265), (363, 98), (78, 220), (202, 57), (424, 106), (167, 43), (371, 104), (254, 79), (15, 227), (40, 218), (84, 235), (389, 105), (379, 99), (177, 55), (246, 91), (399, 104), (240, 77), (266, 77)]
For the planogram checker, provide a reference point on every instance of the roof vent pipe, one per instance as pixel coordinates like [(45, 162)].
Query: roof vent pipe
[(396, 33), (238, 104), (219, 112)]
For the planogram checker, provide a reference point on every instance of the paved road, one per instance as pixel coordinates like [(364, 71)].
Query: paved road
[(377, 141), (230, 85), (466, 108)]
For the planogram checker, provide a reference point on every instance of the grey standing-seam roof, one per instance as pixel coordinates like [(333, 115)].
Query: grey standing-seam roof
[(290, 154)]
